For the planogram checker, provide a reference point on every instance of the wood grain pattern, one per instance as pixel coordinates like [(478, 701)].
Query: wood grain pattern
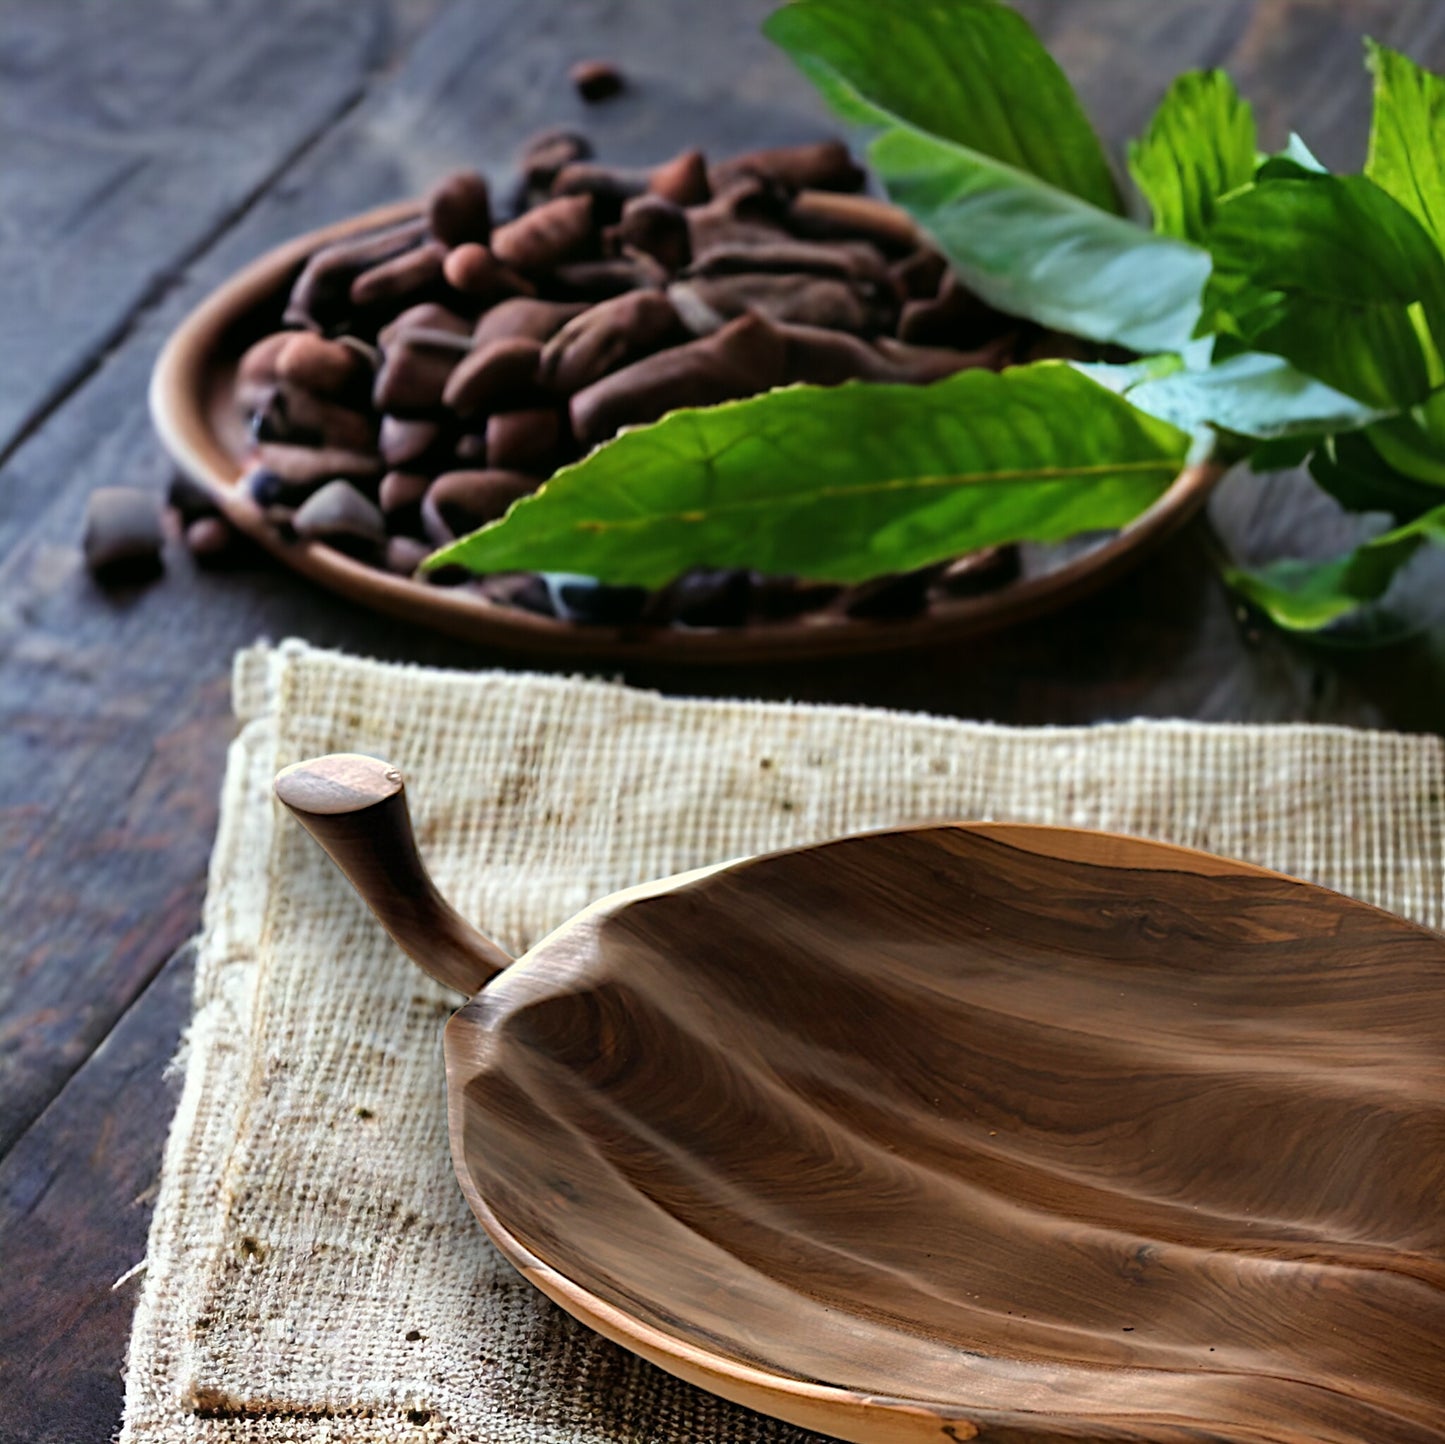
[(128, 146), (1043, 1135), (355, 807), (1015, 1132)]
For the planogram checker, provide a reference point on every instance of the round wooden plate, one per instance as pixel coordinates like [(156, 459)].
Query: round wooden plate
[(972, 1131), (190, 400)]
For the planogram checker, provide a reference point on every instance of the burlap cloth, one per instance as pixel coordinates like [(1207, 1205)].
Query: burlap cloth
[(313, 1272)]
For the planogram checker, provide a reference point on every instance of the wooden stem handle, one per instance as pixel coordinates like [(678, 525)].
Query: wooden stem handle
[(355, 807)]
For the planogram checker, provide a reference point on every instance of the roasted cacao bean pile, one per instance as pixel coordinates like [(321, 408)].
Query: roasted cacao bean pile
[(430, 373)]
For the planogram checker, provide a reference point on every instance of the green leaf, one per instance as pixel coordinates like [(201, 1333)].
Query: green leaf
[(1031, 250), (1199, 146), (1413, 443), (1325, 272), (1351, 469), (842, 484), (1252, 394), (968, 71), (1406, 157), (1304, 596)]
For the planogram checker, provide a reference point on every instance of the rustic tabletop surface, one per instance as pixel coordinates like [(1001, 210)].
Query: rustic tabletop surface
[(152, 148)]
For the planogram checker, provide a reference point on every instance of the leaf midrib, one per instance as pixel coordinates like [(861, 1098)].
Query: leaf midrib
[(1165, 466)]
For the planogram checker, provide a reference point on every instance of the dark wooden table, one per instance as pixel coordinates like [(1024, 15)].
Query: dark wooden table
[(151, 148)]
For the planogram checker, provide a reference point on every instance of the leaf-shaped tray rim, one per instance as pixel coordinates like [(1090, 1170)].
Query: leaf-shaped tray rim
[(832, 1409), (193, 373)]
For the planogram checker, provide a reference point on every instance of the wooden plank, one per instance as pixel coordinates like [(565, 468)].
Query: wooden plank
[(134, 136), (75, 1203)]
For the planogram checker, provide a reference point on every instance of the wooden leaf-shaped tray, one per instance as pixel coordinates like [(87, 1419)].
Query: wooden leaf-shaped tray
[(963, 1131)]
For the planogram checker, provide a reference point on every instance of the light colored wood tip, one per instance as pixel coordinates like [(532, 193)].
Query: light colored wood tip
[(340, 783)]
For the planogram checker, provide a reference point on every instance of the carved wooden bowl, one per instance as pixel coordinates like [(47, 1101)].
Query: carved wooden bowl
[(963, 1131), (192, 404)]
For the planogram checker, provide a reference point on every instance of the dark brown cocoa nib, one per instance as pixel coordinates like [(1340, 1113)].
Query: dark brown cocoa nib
[(683, 180), (408, 439), (596, 80), (330, 369), (745, 357), (524, 316), (704, 597), (531, 440), (189, 499), (558, 230), (400, 497), (825, 166), (123, 535), (954, 317), (414, 375), (404, 554), (545, 153), (656, 227), (308, 465), (538, 162), (459, 502), (439, 369), (891, 598), (808, 300), (459, 209), (209, 539), (341, 516), (403, 280), (290, 413), (598, 280), (607, 336), (427, 316), (610, 186), (475, 274), (321, 297), (499, 374), (919, 274)]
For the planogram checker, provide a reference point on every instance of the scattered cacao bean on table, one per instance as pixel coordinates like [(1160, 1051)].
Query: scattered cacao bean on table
[(123, 536), (596, 80), (430, 373)]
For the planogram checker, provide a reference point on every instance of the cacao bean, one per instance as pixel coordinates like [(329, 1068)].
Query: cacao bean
[(458, 502), (824, 165), (498, 374), (596, 80), (524, 316), (123, 535), (559, 230), (606, 336), (459, 208), (745, 357), (321, 296)]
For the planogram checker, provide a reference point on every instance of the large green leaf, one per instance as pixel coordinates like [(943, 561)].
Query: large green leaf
[(1334, 275), (969, 71), (842, 484), (1304, 596), (1199, 146), (1253, 394), (1407, 136), (1031, 250)]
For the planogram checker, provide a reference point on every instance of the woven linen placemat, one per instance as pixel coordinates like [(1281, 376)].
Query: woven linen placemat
[(313, 1272)]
